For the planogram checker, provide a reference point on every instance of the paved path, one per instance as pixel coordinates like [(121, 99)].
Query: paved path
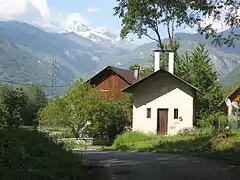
[(156, 166)]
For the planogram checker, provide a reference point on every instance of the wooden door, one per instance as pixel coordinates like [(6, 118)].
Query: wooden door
[(162, 121)]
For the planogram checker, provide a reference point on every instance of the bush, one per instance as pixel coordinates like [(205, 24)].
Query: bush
[(199, 142), (217, 121), (129, 140), (108, 120), (35, 100), (31, 155), (12, 100)]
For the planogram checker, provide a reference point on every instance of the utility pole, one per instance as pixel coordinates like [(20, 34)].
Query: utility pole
[(53, 72)]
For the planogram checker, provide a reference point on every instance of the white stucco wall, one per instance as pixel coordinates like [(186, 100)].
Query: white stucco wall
[(233, 110), (163, 92)]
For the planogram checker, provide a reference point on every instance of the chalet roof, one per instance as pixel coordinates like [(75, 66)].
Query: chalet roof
[(126, 75), (230, 95), (130, 88), (234, 91)]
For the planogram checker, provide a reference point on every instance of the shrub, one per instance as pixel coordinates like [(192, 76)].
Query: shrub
[(130, 140), (217, 122), (108, 120), (30, 155), (197, 142), (73, 110), (12, 100)]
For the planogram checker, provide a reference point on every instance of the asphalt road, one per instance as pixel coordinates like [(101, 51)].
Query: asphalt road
[(156, 166)]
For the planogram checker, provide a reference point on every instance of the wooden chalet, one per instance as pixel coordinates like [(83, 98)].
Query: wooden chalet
[(111, 81)]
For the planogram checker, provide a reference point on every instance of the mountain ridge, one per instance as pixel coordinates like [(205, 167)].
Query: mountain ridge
[(79, 56)]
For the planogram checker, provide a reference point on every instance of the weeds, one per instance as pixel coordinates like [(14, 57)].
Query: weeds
[(31, 155), (201, 142)]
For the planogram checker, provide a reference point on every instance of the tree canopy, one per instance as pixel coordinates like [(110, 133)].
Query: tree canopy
[(73, 110), (152, 17), (196, 68), (12, 100), (82, 111)]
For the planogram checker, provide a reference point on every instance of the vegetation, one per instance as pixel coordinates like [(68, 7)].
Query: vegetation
[(150, 17), (108, 121), (74, 110), (201, 142), (32, 155), (195, 68), (19, 107), (228, 89), (26, 153), (35, 100), (11, 103), (198, 71), (83, 112)]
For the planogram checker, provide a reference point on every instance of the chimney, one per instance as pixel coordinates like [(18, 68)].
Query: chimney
[(156, 60), (136, 72), (171, 63)]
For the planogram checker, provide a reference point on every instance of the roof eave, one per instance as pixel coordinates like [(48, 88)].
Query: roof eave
[(129, 89), (228, 96)]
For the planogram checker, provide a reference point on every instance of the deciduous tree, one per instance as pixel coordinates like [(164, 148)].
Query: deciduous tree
[(153, 18), (12, 100), (73, 110)]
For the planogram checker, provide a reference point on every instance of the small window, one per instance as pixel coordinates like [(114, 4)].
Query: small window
[(175, 113), (148, 112)]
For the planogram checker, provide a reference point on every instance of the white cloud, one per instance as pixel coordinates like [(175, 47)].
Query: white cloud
[(36, 12), (93, 10), (218, 24)]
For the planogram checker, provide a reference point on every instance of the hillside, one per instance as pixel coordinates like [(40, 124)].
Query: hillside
[(26, 52), (224, 59), (76, 56), (232, 78)]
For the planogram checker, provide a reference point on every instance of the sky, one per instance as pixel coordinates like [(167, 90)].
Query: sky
[(52, 14), (98, 13)]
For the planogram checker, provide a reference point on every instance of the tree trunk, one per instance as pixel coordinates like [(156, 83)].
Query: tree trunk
[(160, 44), (170, 30)]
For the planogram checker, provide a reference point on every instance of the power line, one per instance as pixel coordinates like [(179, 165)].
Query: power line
[(53, 78), (31, 84)]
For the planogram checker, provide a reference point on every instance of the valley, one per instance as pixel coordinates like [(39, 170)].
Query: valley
[(81, 51)]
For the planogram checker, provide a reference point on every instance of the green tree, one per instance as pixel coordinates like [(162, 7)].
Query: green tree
[(108, 120), (199, 72), (151, 17), (196, 68), (12, 100), (73, 110), (36, 100)]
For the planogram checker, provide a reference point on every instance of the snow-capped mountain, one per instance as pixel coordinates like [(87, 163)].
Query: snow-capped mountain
[(100, 36)]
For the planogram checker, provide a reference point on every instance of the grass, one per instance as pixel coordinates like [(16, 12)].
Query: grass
[(217, 146), (75, 146), (26, 154)]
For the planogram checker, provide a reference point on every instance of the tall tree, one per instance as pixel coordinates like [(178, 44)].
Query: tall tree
[(198, 71), (196, 68), (152, 17), (224, 12), (35, 100), (12, 100), (142, 17), (73, 110)]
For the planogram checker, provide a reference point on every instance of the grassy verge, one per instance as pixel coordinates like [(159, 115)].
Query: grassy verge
[(75, 146), (220, 147), (27, 155)]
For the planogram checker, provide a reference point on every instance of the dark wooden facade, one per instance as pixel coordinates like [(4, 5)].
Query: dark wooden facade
[(111, 81), (235, 95), (112, 86)]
